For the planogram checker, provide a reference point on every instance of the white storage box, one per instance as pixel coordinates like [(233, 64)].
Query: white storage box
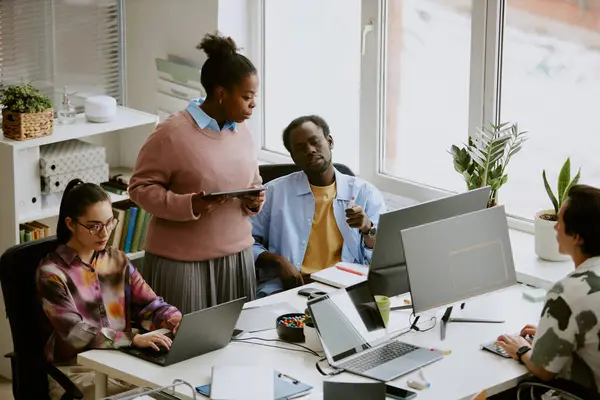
[(71, 155), (58, 183)]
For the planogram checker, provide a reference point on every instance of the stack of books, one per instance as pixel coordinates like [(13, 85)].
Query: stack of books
[(33, 230), (130, 233), (118, 181)]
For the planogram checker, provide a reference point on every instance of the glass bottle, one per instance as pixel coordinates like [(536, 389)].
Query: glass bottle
[(66, 112)]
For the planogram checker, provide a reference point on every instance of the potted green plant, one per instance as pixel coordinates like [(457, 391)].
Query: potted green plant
[(546, 246), (27, 113), (483, 160)]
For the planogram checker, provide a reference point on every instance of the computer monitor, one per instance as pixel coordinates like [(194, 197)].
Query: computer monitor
[(387, 272), (451, 260)]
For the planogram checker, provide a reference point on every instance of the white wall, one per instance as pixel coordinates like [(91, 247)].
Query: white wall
[(156, 28)]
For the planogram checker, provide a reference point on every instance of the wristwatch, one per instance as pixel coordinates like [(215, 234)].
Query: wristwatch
[(521, 352), (372, 231)]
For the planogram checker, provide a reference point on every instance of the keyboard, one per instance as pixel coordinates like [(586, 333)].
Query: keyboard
[(494, 348), (378, 356)]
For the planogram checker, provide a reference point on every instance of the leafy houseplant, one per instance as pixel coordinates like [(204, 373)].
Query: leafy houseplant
[(27, 113), (484, 159), (546, 246), (564, 185)]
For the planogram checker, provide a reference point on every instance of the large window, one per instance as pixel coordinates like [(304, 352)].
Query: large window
[(312, 66), (430, 72), (426, 91), (550, 86)]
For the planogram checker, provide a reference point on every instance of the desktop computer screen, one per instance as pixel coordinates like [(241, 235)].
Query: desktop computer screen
[(451, 260), (387, 272)]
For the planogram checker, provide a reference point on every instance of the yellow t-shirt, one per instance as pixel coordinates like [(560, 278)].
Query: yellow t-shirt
[(324, 248)]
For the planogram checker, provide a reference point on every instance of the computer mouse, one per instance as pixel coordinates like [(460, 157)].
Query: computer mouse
[(307, 291)]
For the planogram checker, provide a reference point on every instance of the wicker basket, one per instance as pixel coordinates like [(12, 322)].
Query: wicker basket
[(23, 126)]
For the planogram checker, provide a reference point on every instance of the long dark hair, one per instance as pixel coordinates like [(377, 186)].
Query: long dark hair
[(78, 196)]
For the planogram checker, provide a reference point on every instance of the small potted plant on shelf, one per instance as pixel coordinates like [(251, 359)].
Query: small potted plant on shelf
[(484, 159), (546, 245), (27, 113)]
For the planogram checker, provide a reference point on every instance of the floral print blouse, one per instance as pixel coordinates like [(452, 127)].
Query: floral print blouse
[(92, 306)]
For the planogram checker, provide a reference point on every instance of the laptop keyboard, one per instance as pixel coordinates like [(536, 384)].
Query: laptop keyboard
[(378, 356)]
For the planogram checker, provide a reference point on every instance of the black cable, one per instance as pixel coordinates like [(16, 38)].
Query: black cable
[(306, 349), (335, 372), (417, 328)]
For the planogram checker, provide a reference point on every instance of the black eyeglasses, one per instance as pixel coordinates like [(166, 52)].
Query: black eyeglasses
[(97, 227)]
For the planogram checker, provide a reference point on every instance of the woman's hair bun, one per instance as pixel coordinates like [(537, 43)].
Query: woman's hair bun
[(216, 45)]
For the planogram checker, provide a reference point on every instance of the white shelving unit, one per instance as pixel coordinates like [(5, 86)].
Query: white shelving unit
[(20, 200)]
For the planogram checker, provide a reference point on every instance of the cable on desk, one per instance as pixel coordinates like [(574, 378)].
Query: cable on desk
[(413, 324), (306, 349), (336, 371)]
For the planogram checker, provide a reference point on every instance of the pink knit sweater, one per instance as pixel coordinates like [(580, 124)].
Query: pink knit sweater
[(180, 159)]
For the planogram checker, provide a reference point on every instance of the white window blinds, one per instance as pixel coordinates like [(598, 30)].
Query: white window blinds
[(56, 43)]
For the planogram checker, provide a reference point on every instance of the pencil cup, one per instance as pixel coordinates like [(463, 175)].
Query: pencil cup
[(383, 303)]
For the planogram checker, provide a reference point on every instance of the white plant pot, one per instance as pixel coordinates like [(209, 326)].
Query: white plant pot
[(546, 245)]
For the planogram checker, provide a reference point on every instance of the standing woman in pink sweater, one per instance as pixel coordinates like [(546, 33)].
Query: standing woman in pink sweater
[(199, 252)]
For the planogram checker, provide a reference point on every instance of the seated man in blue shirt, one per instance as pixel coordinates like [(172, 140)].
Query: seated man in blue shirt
[(314, 218)]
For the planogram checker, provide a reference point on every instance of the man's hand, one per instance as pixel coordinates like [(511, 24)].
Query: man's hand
[(253, 201), (153, 340), (511, 344), (290, 276), (357, 218)]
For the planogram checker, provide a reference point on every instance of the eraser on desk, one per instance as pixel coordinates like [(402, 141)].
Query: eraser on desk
[(416, 384)]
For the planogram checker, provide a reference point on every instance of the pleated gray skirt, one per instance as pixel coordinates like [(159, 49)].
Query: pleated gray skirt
[(193, 286)]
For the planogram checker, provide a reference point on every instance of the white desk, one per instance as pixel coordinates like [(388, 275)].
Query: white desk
[(460, 375), (531, 269)]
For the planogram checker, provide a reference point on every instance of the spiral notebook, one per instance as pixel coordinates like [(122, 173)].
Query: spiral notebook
[(342, 275), (285, 387)]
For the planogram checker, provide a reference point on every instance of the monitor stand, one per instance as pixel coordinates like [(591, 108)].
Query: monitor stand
[(446, 320)]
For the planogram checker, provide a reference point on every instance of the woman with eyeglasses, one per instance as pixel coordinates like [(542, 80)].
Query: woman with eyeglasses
[(91, 293)]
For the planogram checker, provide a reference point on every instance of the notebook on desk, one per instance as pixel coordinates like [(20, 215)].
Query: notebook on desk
[(342, 275)]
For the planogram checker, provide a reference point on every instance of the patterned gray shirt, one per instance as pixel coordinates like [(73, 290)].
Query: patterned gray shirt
[(568, 334)]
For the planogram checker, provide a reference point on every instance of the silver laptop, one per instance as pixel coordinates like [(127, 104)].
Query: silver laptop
[(199, 333), (354, 337)]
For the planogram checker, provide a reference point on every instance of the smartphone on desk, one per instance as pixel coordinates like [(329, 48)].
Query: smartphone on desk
[(399, 393)]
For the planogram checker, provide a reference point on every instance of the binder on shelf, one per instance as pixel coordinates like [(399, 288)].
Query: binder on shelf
[(33, 230), (129, 234), (132, 216)]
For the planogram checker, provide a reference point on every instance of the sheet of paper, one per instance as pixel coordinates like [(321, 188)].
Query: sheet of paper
[(263, 318), (237, 382)]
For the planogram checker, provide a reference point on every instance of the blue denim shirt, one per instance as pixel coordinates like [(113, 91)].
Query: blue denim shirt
[(283, 226), (202, 118)]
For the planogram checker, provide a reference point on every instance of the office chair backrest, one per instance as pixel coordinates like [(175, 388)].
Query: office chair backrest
[(28, 324), (269, 172)]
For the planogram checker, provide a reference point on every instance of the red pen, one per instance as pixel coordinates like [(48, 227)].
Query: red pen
[(349, 270)]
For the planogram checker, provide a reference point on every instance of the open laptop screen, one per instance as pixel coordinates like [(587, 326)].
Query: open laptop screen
[(348, 320)]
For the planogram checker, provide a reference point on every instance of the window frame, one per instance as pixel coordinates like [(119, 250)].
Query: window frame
[(487, 21)]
